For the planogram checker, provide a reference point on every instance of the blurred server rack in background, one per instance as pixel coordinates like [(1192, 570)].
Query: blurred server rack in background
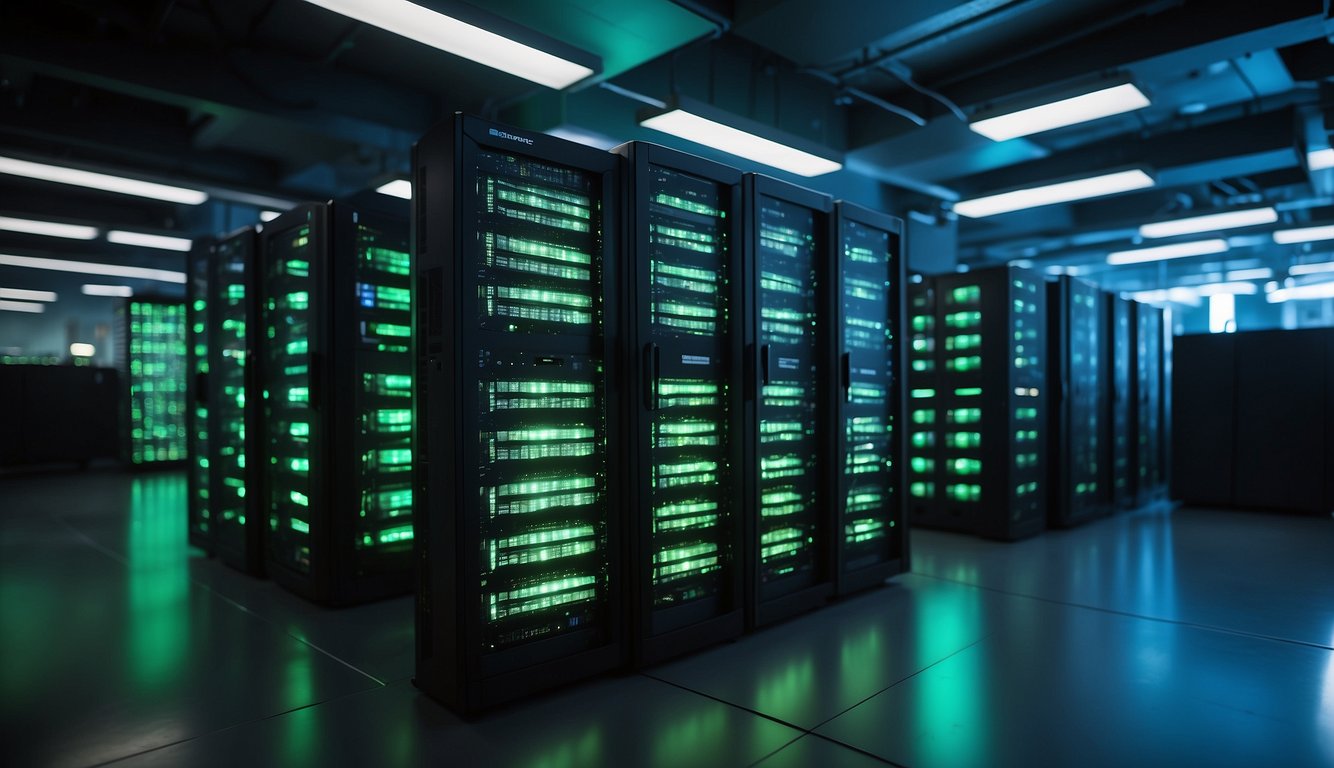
[(683, 290), (520, 518), (199, 526), (1121, 402), (154, 369), (924, 440), (871, 537), (1146, 382)]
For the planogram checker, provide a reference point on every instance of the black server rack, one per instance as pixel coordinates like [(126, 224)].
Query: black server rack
[(992, 402), (154, 370), (236, 445), (336, 370), (518, 468), (1146, 380), (871, 537), (683, 327), (1121, 403), (924, 441), (1078, 354), (789, 341), (199, 526), (1162, 479)]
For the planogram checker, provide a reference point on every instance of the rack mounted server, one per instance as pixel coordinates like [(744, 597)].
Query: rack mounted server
[(1078, 387), (154, 369), (924, 441), (199, 518)]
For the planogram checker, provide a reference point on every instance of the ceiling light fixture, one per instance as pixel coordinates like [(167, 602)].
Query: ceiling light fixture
[(101, 181), (1163, 252), (22, 306), (1323, 290), (1311, 269), (1233, 288), (268, 215), (460, 38), (26, 295), (1093, 105), (1050, 194), (92, 268), (400, 188), (82, 349), (161, 242), (1211, 222), (1320, 159), (118, 291), (735, 135), (1259, 273), (1304, 234), (48, 228)]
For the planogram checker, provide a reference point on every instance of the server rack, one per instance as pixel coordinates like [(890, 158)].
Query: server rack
[(992, 402), (236, 446), (1121, 403), (924, 440), (154, 370), (1146, 380), (871, 538), (336, 371), (1078, 354), (683, 292), (199, 526), (520, 515), (789, 340)]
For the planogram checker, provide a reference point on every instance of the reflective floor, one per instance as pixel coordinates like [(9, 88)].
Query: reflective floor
[(1156, 638)]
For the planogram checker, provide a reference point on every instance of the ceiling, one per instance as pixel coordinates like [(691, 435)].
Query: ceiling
[(267, 102)]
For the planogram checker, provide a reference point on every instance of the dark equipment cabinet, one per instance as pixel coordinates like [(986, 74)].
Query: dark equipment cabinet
[(236, 444), (790, 337), (682, 239), (1147, 473), (336, 372), (924, 442), (1078, 385), (60, 413), (520, 512), (871, 537), (1206, 419), (1120, 402), (992, 402), (199, 526)]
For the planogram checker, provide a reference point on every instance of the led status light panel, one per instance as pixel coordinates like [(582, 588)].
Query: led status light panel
[(991, 356), (683, 288), (1079, 352), (234, 456), (200, 525), (1121, 402), (519, 582), (870, 529), (155, 368), (924, 439), (338, 393), (1148, 473), (791, 526)]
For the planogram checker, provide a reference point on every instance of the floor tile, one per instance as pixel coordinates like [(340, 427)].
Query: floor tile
[(815, 750)]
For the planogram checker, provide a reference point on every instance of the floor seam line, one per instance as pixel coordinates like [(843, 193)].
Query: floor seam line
[(734, 705)]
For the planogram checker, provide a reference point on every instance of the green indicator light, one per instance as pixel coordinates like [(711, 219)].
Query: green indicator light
[(964, 415), (923, 439), (299, 429), (966, 294), (965, 466), (923, 393), (923, 490), (543, 250), (391, 535), (392, 456), (579, 204), (685, 205), (963, 491), (688, 427), (300, 465), (563, 298), (300, 499), (298, 300), (773, 281), (545, 486), (681, 387), (509, 194), (963, 319), (963, 341), (922, 323), (300, 526), (1025, 413), (968, 391), (922, 465), (963, 439), (393, 417), (964, 364), (298, 395), (389, 329), (924, 416), (545, 434)]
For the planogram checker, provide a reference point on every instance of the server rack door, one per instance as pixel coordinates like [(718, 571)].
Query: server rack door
[(294, 357), (1206, 420), (972, 317), (683, 235), (200, 525), (236, 448), (870, 534), (791, 537), (1142, 370), (155, 370), (1165, 404), (519, 520), (1026, 391), (924, 438), (1080, 488), (1123, 403), (1154, 355)]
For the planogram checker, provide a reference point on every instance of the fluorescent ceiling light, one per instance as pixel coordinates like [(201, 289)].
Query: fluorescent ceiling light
[(80, 349), (1061, 192), (1304, 234), (1209, 223), (49, 228), (1058, 114), (24, 295), (268, 215), (1222, 313), (1173, 251), (22, 306), (162, 242), (102, 181), (1320, 159), (1219, 289), (684, 121), (1179, 295), (1323, 290), (401, 188), (461, 39), (1311, 269), (92, 268), (119, 291), (1259, 273)]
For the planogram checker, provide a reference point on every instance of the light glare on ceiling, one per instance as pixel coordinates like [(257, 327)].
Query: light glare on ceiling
[(145, 240), (92, 268), (102, 181), (1211, 222), (701, 130), (1162, 252), (1097, 104), (1049, 194), (48, 228)]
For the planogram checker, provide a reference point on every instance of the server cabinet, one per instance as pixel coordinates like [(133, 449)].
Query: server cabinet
[(924, 440), (683, 324), (520, 515), (1121, 403), (1146, 378), (1206, 420), (1078, 353), (871, 540), (236, 455), (336, 367), (154, 370), (789, 335), (992, 402), (199, 525)]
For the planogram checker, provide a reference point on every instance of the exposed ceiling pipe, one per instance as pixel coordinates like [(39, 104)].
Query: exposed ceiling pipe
[(890, 107)]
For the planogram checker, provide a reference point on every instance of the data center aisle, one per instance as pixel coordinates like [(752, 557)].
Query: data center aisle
[(1161, 637)]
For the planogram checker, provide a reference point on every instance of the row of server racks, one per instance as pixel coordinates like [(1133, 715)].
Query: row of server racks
[(657, 406), (1032, 403), (152, 358), (302, 385)]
